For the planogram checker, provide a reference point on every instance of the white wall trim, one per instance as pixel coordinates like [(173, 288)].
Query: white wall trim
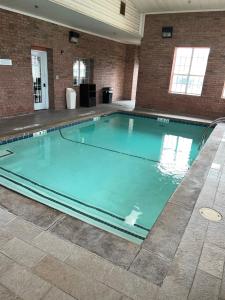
[(64, 25), (142, 25), (183, 11)]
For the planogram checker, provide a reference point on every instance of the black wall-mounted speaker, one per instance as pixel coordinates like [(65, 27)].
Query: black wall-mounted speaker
[(167, 32), (73, 37)]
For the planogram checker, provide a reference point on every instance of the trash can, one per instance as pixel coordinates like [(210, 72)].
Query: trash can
[(107, 93), (70, 98)]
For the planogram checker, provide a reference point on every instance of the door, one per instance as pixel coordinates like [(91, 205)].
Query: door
[(40, 79)]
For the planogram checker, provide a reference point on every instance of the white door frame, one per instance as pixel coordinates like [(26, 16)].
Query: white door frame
[(44, 80)]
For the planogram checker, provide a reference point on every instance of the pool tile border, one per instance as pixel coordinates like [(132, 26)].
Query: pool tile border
[(49, 128), (173, 119)]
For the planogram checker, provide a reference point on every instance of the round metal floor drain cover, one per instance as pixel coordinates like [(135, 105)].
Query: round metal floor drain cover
[(210, 214)]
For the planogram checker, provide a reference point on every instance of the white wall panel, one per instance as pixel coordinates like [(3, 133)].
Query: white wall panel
[(162, 6), (108, 12)]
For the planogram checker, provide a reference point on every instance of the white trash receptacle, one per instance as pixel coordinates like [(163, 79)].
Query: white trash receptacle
[(70, 98)]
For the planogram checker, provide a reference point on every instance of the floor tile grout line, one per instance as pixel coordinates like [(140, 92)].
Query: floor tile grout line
[(151, 252), (30, 270), (16, 295), (182, 205), (196, 269), (46, 293), (11, 292), (160, 255), (20, 218), (166, 259), (57, 221), (17, 262), (82, 274), (89, 253), (223, 279), (64, 260), (204, 240), (54, 286), (87, 250), (210, 273), (139, 250)]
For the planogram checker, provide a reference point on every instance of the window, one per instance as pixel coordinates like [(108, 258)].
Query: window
[(82, 71), (189, 66), (122, 8)]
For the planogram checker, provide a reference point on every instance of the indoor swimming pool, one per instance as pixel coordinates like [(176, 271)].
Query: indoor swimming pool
[(116, 172)]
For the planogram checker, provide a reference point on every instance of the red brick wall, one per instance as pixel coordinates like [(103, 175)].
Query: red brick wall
[(156, 57), (19, 33)]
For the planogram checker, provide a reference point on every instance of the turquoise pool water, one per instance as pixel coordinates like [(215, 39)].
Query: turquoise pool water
[(116, 172)]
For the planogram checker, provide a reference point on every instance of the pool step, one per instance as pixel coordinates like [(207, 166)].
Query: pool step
[(4, 153)]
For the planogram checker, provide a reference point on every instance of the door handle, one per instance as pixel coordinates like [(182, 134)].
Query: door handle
[(44, 85)]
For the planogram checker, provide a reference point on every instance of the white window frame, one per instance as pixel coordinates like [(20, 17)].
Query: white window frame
[(188, 75)]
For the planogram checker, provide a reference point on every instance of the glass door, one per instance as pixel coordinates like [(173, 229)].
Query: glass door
[(40, 79)]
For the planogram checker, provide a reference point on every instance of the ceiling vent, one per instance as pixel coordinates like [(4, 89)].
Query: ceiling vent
[(122, 8)]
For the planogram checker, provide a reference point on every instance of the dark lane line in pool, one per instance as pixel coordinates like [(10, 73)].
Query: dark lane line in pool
[(73, 209), (70, 198), (107, 149)]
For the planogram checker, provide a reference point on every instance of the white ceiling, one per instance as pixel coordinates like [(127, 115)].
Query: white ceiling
[(162, 6)]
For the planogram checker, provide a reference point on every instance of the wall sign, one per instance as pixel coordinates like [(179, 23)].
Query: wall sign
[(5, 62)]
